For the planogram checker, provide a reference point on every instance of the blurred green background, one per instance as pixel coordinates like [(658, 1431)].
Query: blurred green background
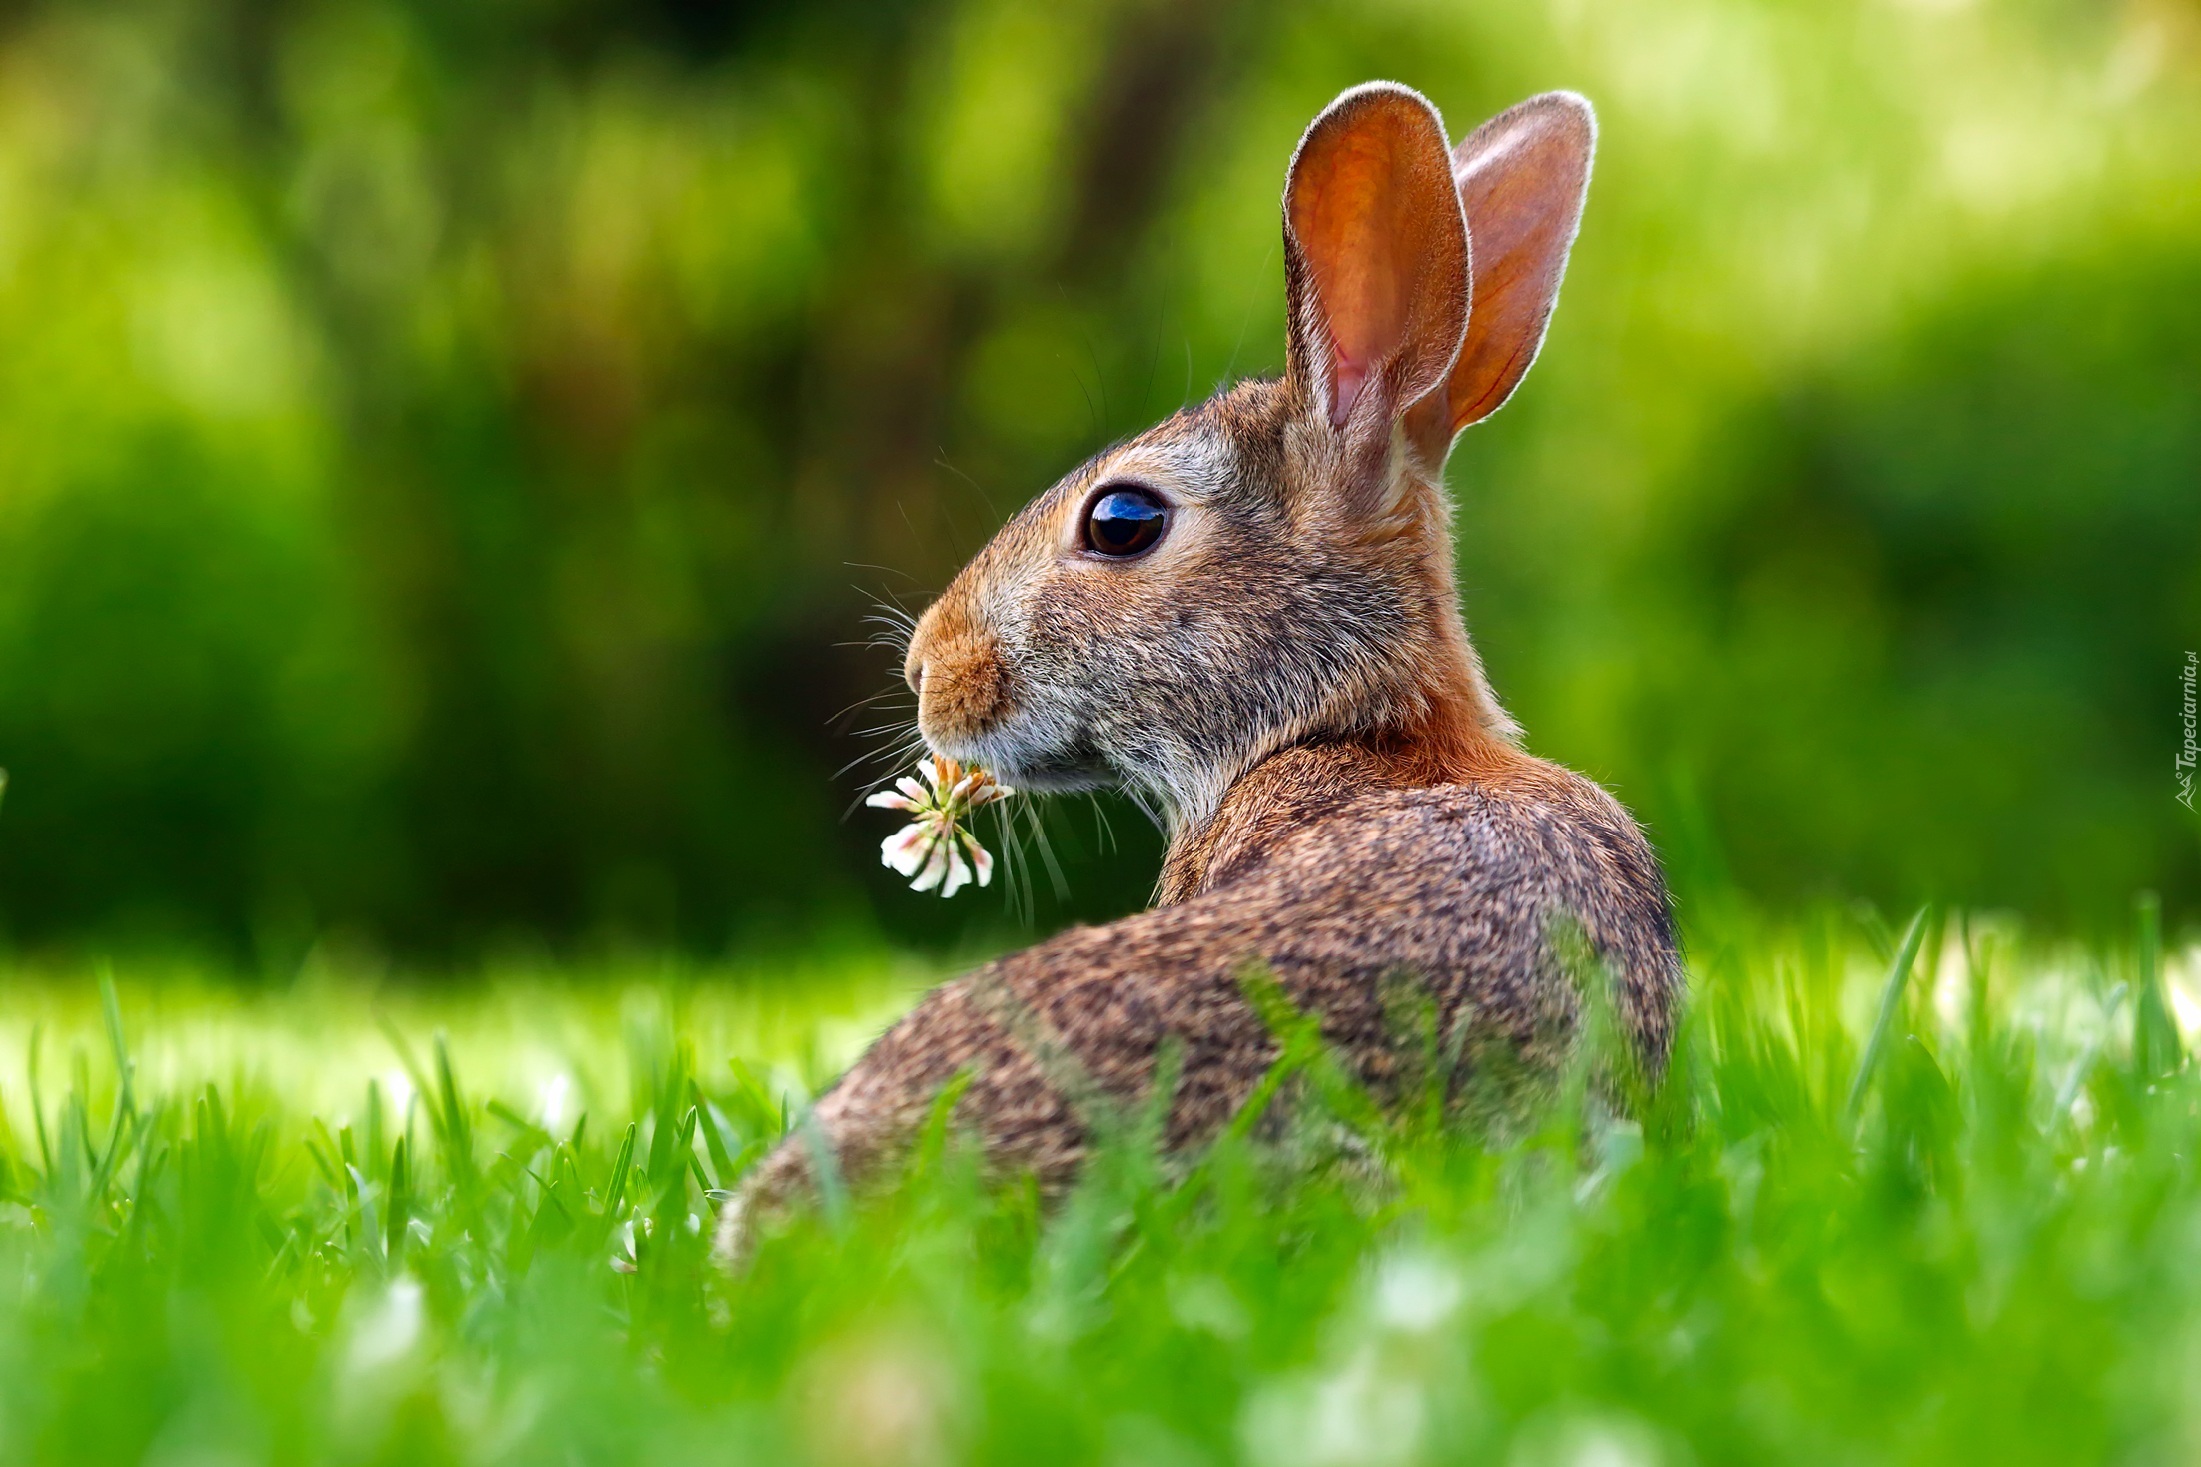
[(448, 450)]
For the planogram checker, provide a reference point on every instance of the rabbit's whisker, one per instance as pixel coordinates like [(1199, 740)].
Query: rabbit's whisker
[(882, 569), (882, 696), (1038, 828), (1102, 825), (894, 760), (895, 757), (1016, 869)]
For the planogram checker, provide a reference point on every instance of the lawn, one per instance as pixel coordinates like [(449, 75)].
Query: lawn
[(1948, 1217)]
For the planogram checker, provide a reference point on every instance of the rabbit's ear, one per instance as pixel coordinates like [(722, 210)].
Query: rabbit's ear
[(1375, 262), (1522, 176)]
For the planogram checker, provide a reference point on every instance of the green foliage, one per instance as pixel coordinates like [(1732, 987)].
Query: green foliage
[(1970, 1237), (437, 444), (1924, 559)]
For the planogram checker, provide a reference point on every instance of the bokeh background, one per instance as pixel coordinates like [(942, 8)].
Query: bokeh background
[(448, 451)]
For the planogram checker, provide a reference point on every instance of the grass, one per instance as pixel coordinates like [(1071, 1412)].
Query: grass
[(1935, 1207)]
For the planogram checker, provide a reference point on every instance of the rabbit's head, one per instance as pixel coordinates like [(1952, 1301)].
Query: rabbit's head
[(1275, 565)]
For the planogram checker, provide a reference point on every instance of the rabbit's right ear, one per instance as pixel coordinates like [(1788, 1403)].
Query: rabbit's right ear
[(1375, 268), (1523, 177)]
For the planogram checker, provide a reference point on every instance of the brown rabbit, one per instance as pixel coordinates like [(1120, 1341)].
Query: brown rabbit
[(1247, 615)]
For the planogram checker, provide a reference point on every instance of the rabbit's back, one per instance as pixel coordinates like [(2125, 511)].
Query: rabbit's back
[(1482, 898)]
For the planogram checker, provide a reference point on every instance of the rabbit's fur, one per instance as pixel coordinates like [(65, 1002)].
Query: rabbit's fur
[(1286, 675)]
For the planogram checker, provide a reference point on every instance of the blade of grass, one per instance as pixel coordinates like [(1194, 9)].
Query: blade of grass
[(125, 1068), (615, 1190), (38, 1104), (1891, 999), (2155, 1045), (396, 1204)]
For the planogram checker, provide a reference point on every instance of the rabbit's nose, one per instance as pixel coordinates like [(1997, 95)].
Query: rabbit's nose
[(924, 639)]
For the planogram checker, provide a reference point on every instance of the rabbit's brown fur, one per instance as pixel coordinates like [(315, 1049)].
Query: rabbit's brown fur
[(1286, 674)]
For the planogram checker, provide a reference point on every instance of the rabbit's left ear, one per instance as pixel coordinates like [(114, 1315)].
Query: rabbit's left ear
[(1375, 266)]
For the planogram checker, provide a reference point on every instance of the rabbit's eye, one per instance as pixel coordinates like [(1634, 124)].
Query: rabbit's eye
[(1125, 522)]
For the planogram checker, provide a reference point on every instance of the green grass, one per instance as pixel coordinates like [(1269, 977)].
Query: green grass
[(1950, 1217)]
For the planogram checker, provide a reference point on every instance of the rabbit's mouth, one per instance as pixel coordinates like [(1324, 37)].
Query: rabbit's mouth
[(974, 708), (1031, 758), (1064, 772)]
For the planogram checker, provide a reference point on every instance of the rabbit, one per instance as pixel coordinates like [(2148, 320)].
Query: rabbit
[(1247, 616)]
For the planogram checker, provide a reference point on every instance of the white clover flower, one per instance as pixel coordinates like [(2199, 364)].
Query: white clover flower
[(932, 848)]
